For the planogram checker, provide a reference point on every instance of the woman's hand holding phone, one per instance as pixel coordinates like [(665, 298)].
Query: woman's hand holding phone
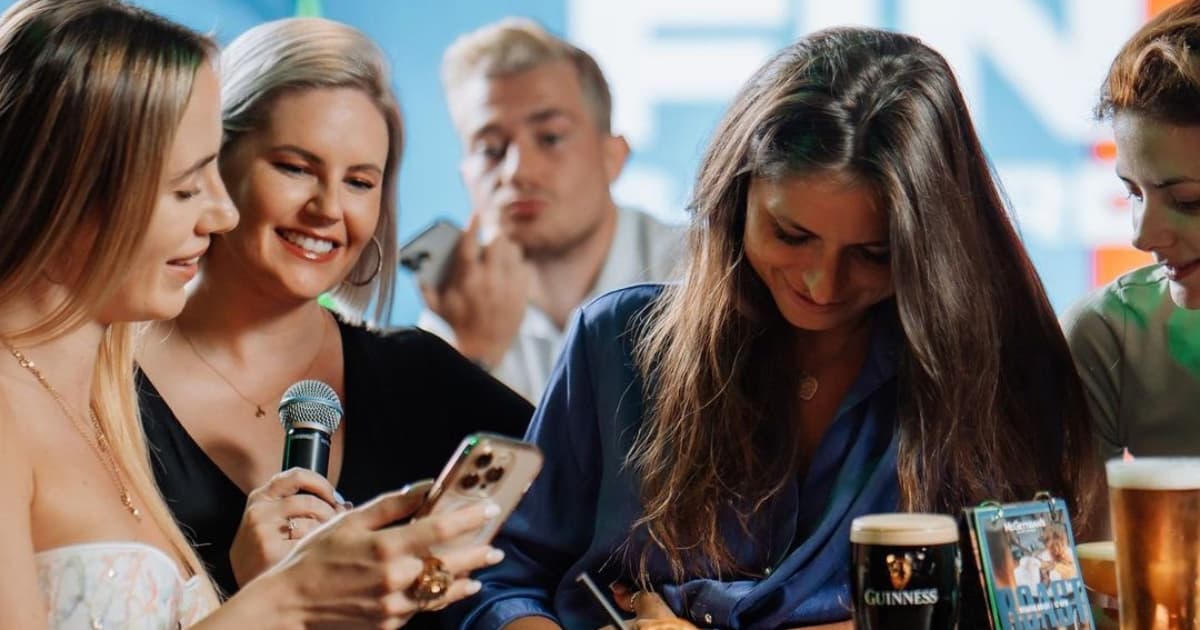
[(360, 564)]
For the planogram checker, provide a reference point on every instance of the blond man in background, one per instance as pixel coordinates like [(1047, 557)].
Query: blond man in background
[(545, 236)]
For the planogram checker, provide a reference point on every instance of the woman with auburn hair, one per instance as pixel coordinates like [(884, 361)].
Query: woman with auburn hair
[(93, 92), (310, 156), (859, 330), (1135, 340)]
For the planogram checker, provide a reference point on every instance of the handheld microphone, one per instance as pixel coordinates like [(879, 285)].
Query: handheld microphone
[(310, 412)]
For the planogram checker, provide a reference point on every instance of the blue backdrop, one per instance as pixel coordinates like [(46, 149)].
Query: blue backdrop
[(1030, 69)]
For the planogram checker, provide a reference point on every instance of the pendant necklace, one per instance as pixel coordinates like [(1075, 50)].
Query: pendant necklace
[(259, 412), (808, 386)]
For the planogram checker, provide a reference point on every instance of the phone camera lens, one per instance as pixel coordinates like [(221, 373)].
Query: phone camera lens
[(484, 460), (494, 474), (469, 481)]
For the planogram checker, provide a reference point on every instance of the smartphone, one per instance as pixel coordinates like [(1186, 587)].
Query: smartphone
[(430, 254), (485, 466), (601, 601)]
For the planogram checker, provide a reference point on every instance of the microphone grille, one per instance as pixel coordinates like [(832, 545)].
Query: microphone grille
[(310, 403)]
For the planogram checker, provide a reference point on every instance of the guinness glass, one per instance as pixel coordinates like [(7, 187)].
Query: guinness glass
[(1155, 506), (905, 572)]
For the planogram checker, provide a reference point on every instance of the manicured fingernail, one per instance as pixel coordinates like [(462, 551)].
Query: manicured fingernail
[(347, 505), (491, 509), (473, 587), (338, 497), (494, 556)]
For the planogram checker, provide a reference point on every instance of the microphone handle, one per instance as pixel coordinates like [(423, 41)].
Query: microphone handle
[(308, 448)]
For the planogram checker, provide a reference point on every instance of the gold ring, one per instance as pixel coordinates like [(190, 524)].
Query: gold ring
[(432, 583)]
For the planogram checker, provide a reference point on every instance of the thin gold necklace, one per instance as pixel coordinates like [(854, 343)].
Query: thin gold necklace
[(258, 407), (100, 445)]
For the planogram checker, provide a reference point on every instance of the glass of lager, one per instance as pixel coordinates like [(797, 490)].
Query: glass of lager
[(1155, 505), (905, 572), (1098, 567)]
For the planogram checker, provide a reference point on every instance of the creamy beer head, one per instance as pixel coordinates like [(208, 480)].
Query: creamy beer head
[(905, 572), (904, 529), (1155, 473), (1155, 507), (1098, 562)]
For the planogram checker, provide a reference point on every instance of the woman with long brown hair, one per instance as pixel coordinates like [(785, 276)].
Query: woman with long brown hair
[(859, 330)]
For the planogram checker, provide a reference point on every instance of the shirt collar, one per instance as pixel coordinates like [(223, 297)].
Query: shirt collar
[(623, 265), (882, 355)]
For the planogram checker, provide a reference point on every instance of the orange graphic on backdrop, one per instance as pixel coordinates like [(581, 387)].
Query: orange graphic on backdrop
[(1112, 261), (1154, 6)]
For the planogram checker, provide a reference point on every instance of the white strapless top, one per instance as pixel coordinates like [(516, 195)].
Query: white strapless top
[(117, 585)]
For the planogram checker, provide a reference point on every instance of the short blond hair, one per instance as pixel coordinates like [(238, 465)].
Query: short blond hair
[(515, 45)]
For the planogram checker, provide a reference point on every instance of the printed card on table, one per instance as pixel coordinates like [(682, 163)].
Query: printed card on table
[(1027, 564)]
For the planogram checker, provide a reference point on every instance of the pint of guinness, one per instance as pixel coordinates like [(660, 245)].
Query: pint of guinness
[(1155, 505), (905, 572)]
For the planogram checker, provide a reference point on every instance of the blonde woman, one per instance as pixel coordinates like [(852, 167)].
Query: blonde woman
[(310, 156), (109, 134)]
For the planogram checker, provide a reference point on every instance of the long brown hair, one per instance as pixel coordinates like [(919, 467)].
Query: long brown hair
[(91, 94), (990, 402), (1157, 72)]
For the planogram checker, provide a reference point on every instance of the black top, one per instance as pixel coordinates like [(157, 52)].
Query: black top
[(410, 399)]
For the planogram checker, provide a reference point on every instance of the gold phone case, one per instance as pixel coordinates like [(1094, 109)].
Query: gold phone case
[(485, 466)]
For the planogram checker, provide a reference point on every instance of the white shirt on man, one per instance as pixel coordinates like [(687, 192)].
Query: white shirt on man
[(644, 249)]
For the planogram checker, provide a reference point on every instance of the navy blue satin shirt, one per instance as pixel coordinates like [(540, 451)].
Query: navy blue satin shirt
[(579, 513)]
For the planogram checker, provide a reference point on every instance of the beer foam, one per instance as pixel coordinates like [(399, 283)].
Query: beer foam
[(1155, 473), (1103, 550), (904, 529)]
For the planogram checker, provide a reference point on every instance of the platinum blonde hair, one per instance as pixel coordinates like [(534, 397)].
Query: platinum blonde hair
[(297, 54)]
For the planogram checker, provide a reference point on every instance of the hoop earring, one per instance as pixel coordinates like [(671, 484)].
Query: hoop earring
[(378, 266)]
